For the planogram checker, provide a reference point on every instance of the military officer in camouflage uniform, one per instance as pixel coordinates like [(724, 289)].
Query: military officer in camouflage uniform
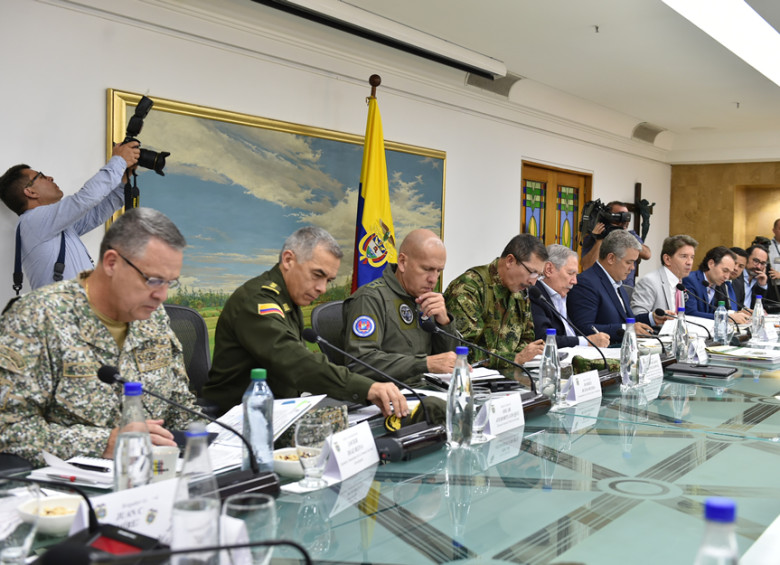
[(490, 307), (381, 318), (54, 340), (261, 325)]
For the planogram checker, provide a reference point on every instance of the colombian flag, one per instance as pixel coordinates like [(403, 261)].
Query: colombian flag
[(374, 233)]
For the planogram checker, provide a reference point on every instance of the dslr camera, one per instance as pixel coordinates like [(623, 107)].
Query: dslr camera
[(149, 159), (594, 212)]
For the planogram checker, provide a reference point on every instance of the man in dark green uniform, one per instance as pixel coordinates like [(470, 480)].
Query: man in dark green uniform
[(261, 325), (490, 306), (382, 317)]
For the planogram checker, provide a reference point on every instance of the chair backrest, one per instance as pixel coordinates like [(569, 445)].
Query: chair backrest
[(328, 321), (190, 327)]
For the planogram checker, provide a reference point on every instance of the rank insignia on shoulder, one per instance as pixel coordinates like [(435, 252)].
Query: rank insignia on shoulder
[(363, 326), (273, 287), (286, 307), (271, 308)]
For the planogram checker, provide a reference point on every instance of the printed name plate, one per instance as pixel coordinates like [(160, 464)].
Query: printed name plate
[(351, 450), (506, 413), (584, 386)]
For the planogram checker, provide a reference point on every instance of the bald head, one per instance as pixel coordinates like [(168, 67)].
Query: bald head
[(421, 260)]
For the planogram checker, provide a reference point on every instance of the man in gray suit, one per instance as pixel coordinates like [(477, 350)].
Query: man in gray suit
[(659, 288)]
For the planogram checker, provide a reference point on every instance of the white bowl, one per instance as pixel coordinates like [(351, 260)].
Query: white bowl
[(291, 469), (57, 525)]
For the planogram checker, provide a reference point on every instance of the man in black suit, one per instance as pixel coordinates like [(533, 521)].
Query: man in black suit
[(753, 280), (558, 277)]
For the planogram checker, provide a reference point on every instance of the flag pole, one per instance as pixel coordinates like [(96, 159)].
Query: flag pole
[(374, 81)]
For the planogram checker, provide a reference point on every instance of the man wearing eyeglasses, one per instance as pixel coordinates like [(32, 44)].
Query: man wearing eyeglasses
[(50, 224), (754, 278), (491, 308), (54, 340), (599, 301)]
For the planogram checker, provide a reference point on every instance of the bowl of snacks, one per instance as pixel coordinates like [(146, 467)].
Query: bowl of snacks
[(287, 464), (56, 513)]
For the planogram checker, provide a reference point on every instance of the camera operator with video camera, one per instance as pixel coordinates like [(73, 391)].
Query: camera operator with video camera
[(50, 226), (615, 217)]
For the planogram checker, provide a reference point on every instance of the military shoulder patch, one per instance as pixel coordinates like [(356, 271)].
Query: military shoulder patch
[(273, 287), (270, 308), (363, 326)]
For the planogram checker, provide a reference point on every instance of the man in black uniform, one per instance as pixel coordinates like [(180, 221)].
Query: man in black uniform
[(261, 325)]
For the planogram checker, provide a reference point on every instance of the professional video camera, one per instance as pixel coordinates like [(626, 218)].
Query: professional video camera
[(148, 159), (594, 212)]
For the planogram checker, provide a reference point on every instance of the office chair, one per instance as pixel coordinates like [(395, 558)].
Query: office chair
[(190, 327), (328, 321)]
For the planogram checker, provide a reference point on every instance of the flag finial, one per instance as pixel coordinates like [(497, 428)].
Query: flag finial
[(374, 81)]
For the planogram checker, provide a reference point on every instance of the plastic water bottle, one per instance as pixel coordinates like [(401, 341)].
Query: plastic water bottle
[(460, 406), (259, 421), (719, 544), (721, 323), (680, 340), (196, 506), (550, 369), (757, 319), (629, 356), (133, 448)]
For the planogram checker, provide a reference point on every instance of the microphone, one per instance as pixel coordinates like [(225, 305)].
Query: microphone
[(621, 332), (729, 300), (77, 554), (407, 442), (681, 286), (233, 482), (660, 312), (536, 293), (430, 326)]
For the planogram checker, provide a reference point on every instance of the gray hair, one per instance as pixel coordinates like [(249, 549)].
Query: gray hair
[(131, 232), (618, 242), (558, 255), (304, 240)]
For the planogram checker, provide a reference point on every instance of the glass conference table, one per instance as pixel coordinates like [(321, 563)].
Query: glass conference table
[(618, 480)]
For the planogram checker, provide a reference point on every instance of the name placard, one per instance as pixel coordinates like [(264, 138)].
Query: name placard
[(584, 386), (506, 446), (351, 451), (146, 510), (506, 413)]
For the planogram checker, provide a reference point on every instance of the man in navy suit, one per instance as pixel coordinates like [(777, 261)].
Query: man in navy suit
[(753, 280), (706, 286), (558, 277), (598, 301)]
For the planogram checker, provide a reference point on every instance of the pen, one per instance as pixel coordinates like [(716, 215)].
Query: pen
[(91, 467), (595, 331), (69, 478)]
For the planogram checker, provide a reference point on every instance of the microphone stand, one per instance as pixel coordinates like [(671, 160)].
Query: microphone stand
[(535, 292), (660, 312), (232, 482), (407, 442), (430, 326), (738, 335)]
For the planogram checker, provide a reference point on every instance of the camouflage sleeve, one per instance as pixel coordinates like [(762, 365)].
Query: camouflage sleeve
[(465, 299), (27, 394)]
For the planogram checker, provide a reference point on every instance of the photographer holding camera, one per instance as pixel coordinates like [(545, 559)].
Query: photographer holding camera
[(619, 219), (50, 226)]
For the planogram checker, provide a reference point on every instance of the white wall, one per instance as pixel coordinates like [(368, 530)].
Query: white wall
[(59, 57)]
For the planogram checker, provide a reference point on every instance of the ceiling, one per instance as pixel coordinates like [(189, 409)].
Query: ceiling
[(637, 57)]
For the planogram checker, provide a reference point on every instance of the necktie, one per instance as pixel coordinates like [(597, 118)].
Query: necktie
[(679, 300)]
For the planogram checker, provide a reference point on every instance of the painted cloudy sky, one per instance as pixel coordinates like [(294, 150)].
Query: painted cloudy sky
[(236, 192)]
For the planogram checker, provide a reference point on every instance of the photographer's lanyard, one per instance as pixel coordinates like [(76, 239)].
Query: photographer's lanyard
[(59, 266)]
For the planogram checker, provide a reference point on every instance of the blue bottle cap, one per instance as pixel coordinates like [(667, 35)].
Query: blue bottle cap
[(717, 509), (461, 350), (257, 375), (758, 296), (551, 331), (134, 389), (681, 309), (196, 429), (630, 321)]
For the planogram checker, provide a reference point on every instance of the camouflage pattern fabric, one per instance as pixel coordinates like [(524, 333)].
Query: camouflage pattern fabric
[(488, 314), (51, 347), (581, 364)]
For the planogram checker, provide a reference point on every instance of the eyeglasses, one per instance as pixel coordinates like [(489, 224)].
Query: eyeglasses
[(532, 274), (35, 178), (151, 282), (757, 262)]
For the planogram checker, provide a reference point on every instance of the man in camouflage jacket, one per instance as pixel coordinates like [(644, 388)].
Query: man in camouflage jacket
[(490, 307), (54, 340)]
